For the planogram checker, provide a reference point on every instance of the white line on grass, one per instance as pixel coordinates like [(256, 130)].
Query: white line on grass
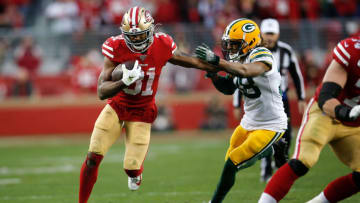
[(121, 194), (7, 181), (39, 170)]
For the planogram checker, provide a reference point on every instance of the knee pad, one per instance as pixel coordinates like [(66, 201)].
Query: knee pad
[(298, 167), (356, 178)]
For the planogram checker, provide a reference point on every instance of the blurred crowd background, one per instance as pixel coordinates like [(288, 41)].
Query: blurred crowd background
[(53, 47)]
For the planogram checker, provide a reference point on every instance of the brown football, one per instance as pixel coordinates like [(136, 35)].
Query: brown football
[(118, 73), (129, 64)]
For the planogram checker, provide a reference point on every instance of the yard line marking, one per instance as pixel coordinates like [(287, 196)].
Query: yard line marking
[(38, 170), (7, 181)]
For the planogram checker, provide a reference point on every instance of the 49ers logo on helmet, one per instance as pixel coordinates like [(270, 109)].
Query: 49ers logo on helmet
[(148, 17)]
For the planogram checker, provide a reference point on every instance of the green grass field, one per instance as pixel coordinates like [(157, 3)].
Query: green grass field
[(178, 169)]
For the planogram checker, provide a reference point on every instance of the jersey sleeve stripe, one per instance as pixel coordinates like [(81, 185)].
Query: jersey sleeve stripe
[(260, 53), (107, 53), (173, 51), (260, 56), (340, 57), (172, 45), (107, 47), (344, 51)]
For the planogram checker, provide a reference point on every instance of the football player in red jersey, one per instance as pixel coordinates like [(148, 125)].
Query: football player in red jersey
[(131, 100), (332, 117)]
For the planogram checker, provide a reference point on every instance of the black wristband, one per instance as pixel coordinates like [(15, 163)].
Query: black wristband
[(342, 113), (217, 60)]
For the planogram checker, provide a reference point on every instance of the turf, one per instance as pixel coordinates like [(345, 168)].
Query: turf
[(181, 167)]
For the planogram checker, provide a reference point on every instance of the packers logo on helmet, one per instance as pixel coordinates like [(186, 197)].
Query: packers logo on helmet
[(239, 38), (138, 21)]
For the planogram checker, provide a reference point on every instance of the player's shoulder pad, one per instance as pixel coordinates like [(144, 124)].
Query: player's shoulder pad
[(166, 39), (345, 49), (112, 46), (260, 52)]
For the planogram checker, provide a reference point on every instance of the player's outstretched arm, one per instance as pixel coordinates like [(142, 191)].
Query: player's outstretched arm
[(106, 87), (181, 59), (333, 82), (204, 53)]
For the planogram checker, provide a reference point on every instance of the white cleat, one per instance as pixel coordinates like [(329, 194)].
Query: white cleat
[(134, 183), (319, 199)]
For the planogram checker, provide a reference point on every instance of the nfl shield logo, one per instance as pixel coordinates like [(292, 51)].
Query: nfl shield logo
[(142, 57)]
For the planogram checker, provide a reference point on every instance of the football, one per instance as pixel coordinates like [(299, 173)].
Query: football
[(129, 64), (118, 73)]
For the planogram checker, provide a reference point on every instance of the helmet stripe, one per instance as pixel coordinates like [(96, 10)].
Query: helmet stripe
[(130, 16), (133, 16), (232, 24), (136, 12)]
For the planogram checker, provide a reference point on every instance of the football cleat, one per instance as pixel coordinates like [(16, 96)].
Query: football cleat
[(134, 183)]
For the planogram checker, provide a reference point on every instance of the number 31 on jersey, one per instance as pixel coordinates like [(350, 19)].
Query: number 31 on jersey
[(148, 79)]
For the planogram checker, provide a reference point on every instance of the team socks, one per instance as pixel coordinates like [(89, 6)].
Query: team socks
[(88, 176), (134, 173), (341, 188), (226, 182), (281, 182)]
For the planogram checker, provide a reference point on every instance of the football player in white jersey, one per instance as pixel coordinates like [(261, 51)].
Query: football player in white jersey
[(252, 69)]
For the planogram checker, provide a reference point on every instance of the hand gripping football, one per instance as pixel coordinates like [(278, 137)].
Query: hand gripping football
[(117, 73)]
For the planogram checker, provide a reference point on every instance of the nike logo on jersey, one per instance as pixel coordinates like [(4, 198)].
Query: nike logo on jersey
[(346, 45)]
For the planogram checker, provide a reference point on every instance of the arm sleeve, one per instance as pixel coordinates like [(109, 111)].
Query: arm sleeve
[(296, 75), (341, 54), (169, 43), (224, 84), (107, 49)]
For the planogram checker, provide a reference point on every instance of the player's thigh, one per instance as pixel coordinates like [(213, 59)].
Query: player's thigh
[(257, 142), (237, 138), (106, 130), (137, 143), (315, 132), (347, 148)]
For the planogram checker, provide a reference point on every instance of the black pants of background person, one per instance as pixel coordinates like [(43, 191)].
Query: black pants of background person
[(281, 149)]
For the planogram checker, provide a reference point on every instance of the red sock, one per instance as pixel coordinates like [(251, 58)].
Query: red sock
[(88, 176), (134, 173), (281, 182), (341, 188)]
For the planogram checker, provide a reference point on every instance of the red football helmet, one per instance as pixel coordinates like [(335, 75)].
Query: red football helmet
[(137, 21)]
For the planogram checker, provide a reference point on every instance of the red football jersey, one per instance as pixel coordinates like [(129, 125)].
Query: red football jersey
[(139, 96), (347, 53)]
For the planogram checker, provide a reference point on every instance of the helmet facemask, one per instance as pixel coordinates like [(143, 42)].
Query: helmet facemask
[(141, 45), (233, 49)]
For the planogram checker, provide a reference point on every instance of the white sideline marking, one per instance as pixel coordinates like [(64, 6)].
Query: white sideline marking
[(7, 181), (121, 194), (39, 170)]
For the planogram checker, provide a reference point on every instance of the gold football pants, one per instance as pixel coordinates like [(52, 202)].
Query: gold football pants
[(108, 129), (318, 129), (248, 146)]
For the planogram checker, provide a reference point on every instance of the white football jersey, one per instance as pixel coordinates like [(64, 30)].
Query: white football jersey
[(263, 104)]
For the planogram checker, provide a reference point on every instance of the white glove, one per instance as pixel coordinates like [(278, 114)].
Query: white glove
[(355, 112), (130, 76)]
